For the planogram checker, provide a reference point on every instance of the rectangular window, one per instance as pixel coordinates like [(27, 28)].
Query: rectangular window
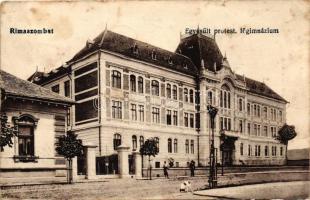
[(221, 123), (155, 115), (229, 124), (265, 112), (191, 120), (249, 150), (141, 113), (85, 69), (258, 130), (240, 126), (255, 129), (133, 112), (85, 82), (265, 131), (186, 119), (86, 110), (281, 151), (116, 109), (55, 88), (192, 147), (241, 149), (258, 150), (175, 118), (67, 88), (249, 128), (25, 141), (186, 146), (168, 117)]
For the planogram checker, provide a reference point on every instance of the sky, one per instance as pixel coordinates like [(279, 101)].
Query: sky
[(280, 60)]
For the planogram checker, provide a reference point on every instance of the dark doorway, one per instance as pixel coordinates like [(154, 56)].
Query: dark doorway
[(228, 148), (81, 165), (131, 164), (107, 165)]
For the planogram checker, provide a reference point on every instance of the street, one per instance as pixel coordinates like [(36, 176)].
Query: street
[(157, 189)]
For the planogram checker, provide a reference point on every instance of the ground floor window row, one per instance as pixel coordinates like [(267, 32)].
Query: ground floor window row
[(259, 151), (172, 144)]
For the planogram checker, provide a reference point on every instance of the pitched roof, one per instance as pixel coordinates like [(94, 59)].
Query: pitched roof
[(15, 86), (127, 46), (200, 47), (260, 88)]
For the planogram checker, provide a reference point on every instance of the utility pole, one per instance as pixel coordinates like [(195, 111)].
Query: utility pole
[(213, 171)]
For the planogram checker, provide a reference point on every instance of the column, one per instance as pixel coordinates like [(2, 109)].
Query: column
[(90, 153), (123, 167), (74, 169), (138, 164)]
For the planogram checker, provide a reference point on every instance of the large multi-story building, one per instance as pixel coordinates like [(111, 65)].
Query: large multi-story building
[(128, 91)]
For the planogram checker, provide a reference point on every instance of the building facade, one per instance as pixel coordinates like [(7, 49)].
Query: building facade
[(128, 91), (40, 117)]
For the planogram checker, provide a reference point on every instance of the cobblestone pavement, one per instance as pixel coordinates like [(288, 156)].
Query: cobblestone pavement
[(111, 188)]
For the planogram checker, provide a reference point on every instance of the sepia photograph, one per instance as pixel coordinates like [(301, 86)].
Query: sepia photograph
[(154, 99)]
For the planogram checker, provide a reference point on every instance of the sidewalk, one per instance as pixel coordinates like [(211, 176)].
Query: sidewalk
[(279, 190)]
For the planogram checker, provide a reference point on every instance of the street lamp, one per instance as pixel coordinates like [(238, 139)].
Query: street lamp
[(212, 175)]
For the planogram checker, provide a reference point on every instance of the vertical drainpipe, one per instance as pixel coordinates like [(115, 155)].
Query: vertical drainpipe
[(99, 100)]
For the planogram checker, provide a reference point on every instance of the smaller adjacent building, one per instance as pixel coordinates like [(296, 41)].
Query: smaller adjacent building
[(41, 117)]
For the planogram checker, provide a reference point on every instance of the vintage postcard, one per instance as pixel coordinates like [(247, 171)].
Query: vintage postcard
[(154, 100)]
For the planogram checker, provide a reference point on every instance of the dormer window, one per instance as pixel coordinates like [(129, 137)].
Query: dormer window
[(135, 49), (170, 60), (154, 55), (185, 66)]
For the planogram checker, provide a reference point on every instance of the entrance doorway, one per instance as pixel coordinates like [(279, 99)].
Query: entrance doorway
[(228, 149)]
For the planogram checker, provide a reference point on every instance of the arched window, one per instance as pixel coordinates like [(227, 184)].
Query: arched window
[(185, 94), (191, 96), (225, 97), (155, 88), (157, 142), (116, 79), (135, 49), (117, 141), (154, 56), (26, 125), (133, 83), (209, 100), (186, 146), (170, 60), (169, 145), (141, 141), (175, 92), (140, 84), (175, 145), (168, 90), (241, 149), (134, 142)]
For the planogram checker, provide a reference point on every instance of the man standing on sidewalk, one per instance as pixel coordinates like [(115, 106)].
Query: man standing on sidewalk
[(166, 169), (192, 168)]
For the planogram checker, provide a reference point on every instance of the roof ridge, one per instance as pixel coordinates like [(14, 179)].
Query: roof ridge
[(25, 82)]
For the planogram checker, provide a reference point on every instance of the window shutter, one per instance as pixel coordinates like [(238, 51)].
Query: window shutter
[(125, 82), (108, 77), (147, 86)]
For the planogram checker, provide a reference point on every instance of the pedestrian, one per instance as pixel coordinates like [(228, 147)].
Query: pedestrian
[(192, 167), (166, 169)]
